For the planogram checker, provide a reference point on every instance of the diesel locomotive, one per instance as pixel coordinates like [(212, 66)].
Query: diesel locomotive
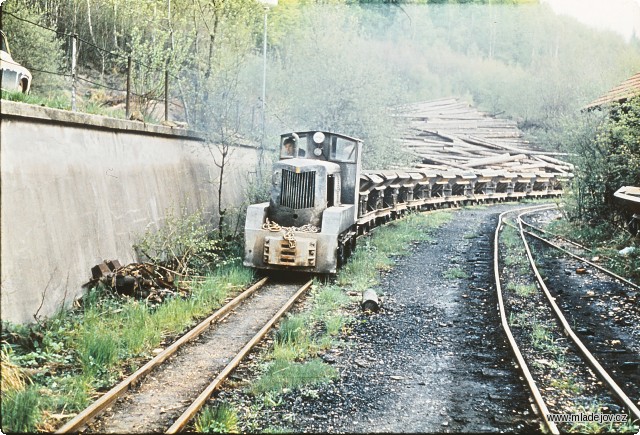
[(321, 200)]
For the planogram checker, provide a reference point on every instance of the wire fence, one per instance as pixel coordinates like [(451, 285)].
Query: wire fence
[(133, 81)]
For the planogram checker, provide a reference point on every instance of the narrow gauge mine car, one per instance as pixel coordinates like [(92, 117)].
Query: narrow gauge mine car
[(321, 200)]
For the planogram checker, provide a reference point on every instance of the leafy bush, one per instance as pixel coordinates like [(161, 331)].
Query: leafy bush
[(185, 244), (606, 159)]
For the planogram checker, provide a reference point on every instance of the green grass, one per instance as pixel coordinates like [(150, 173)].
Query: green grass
[(221, 418), (282, 374), (304, 335), (377, 252), (293, 339), (523, 290), (514, 259), (515, 255), (568, 386), (292, 330), (329, 298), (20, 410), (510, 237), (88, 350), (542, 338), (455, 273), (98, 349), (518, 319), (56, 100), (334, 324), (62, 100)]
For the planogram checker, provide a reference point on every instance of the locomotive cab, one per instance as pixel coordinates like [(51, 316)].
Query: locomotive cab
[(312, 204)]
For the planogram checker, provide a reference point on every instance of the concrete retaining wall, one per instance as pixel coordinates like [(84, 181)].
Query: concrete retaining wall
[(78, 189)]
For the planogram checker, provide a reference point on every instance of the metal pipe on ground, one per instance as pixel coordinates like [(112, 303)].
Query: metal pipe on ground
[(370, 301)]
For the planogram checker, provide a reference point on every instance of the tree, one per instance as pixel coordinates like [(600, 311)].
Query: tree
[(606, 151)]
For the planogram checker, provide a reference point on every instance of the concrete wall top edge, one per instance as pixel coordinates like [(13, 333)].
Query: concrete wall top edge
[(24, 110)]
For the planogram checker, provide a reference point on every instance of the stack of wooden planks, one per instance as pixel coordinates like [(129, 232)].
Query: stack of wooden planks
[(449, 134)]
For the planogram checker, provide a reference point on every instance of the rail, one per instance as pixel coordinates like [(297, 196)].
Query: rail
[(577, 257), (108, 398), (582, 350), (586, 354), (184, 419), (537, 397)]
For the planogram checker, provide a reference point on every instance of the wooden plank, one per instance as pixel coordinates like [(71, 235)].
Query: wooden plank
[(502, 158)]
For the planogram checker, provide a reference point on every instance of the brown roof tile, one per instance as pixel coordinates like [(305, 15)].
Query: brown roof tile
[(625, 90)]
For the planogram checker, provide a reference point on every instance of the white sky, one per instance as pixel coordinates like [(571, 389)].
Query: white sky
[(620, 16)]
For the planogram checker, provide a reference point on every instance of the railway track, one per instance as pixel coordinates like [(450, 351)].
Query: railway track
[(168, 391), (562, 372)]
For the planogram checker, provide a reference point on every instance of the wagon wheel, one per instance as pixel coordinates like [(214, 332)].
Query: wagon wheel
[(342, 258), (352, 244)]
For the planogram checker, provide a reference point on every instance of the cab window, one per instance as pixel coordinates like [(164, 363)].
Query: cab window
[(343, 150), (292, 147)]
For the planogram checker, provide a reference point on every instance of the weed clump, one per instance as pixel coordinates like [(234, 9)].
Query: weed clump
[(221, 418), (286, 374)]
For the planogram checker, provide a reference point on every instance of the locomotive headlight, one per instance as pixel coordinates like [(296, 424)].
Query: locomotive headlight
[(318, 137)]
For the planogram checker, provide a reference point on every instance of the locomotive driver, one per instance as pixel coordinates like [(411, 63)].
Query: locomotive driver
[(289, 146)]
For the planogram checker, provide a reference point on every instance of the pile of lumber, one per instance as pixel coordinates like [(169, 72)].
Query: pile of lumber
[(450, 134)]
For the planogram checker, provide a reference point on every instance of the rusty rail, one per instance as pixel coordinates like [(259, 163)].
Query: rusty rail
[(192, 410), (584, 260), (108, 398), (589, 358), (537, 397)]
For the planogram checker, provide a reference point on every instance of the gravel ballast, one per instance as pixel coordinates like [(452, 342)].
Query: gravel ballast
[(433, 359)]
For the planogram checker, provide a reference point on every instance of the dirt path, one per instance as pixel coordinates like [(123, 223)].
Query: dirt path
[(434, 359), (170, 389)]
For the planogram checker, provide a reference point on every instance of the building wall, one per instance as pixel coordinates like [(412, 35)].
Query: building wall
[(78, 189)]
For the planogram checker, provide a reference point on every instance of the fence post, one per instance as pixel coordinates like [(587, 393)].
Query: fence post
[(166, 92), (127, 102), (74, 50)]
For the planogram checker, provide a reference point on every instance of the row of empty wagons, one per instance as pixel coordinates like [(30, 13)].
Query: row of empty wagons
[(387, 194)]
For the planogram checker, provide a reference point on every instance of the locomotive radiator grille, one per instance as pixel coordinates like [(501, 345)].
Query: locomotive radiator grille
[(298, 189)]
